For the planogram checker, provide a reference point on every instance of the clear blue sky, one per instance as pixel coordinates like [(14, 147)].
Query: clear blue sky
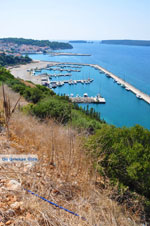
[(75, 19)]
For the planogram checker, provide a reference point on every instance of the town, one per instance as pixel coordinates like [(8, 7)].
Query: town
[(10, 48)]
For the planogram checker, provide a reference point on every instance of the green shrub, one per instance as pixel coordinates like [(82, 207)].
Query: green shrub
[(82, 121), (46, 91), (19, 88), (33, 94), (5, 75), (124, 154), (53, 108)]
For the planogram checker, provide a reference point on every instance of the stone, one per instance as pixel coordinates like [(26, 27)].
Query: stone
[(8, 223), (2, 224), (10, 213), (16, 205), (13, 185)]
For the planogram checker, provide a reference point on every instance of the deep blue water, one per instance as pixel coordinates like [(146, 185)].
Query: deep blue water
[(131, 63)]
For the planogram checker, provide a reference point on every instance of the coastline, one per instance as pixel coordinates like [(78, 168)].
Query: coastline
[(22, 73)]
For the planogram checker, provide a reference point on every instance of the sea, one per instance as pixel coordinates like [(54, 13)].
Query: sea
[(131, 63)]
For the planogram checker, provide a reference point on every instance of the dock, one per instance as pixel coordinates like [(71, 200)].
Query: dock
[(95, 100), (54, 84), (124, 84), (61, 69)]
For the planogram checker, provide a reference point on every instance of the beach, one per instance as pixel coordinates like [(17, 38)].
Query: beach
[(22, 72)]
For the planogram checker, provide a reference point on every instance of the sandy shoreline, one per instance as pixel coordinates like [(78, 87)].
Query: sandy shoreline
[(22, 73)]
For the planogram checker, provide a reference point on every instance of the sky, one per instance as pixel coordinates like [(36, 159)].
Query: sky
[(75, 19)]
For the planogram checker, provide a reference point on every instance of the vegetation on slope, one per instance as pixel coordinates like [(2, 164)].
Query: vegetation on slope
[(63, 175), (41, 43), (123, 155), (12, 60)]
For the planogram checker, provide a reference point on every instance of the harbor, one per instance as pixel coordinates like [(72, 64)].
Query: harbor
[(127, 86), (31, 68)]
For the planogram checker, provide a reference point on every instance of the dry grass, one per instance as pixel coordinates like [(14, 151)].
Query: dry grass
[(63, 175)]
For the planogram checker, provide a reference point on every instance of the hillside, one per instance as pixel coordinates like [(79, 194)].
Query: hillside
[(69, 141), (12, 60), (40, 43), (127, 42), (64, 175)]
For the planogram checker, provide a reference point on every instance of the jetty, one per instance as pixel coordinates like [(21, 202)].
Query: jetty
[(69, 54), (85, 99), (55, 75), (61, 69), (54, 84), (139, 94)]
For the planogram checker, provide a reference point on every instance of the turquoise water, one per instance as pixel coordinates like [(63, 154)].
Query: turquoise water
[(131, 63)]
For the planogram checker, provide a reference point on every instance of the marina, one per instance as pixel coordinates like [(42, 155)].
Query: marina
[(128, 87), (123, 107), (121, 102)]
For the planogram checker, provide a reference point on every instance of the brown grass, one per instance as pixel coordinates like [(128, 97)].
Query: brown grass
[(63, 175)]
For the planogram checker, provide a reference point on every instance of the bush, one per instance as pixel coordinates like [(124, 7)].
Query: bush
[(53, 108), (33, 94), (125, 155), (82, 121), (5, 75)]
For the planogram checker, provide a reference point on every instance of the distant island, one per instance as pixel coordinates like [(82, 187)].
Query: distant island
[(127, 42), (78, 41), (23, 46)]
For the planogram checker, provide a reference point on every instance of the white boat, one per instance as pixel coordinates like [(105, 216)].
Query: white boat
[(85, 95), (138, 96), (123, 85), (127, 89)]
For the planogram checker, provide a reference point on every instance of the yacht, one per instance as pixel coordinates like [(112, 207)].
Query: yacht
[(138, 96), (85, 95)]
